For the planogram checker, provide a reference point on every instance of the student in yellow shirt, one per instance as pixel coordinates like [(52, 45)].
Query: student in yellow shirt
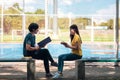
[(76, 50)]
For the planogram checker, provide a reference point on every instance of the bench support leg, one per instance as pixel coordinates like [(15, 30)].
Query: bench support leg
[(31, 70), (80, 70)]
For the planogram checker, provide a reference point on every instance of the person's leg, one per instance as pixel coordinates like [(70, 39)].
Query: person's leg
[(44, 54), (40, 55), (66, 57), (46, 65), (61, 59), (48, 56)]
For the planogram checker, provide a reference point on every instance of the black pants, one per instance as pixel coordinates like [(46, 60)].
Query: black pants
[(43, 54)]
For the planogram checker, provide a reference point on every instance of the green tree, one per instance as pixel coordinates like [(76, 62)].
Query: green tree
[(7, 25), (82, 22), (119, 23), (110, 23), (103, 24), (12, 23), (16, 5), (63, 22), (39, 19), (14, 9), (39, 11), (10, 10)]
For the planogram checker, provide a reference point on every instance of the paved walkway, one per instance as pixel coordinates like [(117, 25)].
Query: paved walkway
[(94, 71)]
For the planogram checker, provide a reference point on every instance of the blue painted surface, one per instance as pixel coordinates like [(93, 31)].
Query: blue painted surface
[(15, 51)]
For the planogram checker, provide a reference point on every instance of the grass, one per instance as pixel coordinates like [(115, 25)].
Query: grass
[(99, 36)]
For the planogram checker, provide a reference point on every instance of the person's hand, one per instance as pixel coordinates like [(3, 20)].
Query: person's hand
[(37, 47), (65, 44)]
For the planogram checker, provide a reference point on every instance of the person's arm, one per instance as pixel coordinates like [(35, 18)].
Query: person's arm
[(29, 48), (76, 46)]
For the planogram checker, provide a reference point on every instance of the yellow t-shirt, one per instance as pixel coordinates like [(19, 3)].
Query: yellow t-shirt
[(75, 40)]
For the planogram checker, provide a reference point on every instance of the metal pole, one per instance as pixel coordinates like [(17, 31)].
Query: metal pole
[(2, 22), (117, 30), (46, 18), (23, 20), (55, 28)]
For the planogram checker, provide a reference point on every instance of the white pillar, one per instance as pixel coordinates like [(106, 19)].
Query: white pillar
[(55, 27), (92, 31), (23, 25), (23, 21), (2, 21), (46, 18), (1, 38)]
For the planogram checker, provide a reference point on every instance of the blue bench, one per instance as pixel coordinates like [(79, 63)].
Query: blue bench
[(30, 66), (80, 66)]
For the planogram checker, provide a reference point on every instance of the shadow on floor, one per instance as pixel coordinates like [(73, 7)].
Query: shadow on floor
[(94, 71)]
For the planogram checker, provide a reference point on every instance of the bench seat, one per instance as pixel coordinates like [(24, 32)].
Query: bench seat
[(99, 60), (30, 65), (80, 66)]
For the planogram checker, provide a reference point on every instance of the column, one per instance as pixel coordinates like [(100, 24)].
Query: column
[(2, 22), (23, 21), (55, 27), (80, 70), (46, 18), (117, 31)]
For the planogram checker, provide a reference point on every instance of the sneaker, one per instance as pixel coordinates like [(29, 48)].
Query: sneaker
[(57, 75), (54, 64), (49, 75)]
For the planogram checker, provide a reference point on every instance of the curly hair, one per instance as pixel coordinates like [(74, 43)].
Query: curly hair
[(33, 26)]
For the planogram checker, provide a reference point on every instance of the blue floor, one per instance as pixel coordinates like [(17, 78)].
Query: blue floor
[(15, 51)]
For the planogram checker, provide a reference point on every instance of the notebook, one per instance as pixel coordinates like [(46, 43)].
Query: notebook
[(44, 42)]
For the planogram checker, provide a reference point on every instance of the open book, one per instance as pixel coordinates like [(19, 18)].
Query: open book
[(44, 42)]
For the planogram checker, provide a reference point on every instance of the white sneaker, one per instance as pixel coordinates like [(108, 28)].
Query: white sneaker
[(57, 75)]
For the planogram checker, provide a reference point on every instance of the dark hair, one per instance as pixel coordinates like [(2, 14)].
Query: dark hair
[(33, 26), (75, 28)]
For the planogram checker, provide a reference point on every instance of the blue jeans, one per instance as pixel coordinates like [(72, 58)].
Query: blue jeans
[(66, 57)]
